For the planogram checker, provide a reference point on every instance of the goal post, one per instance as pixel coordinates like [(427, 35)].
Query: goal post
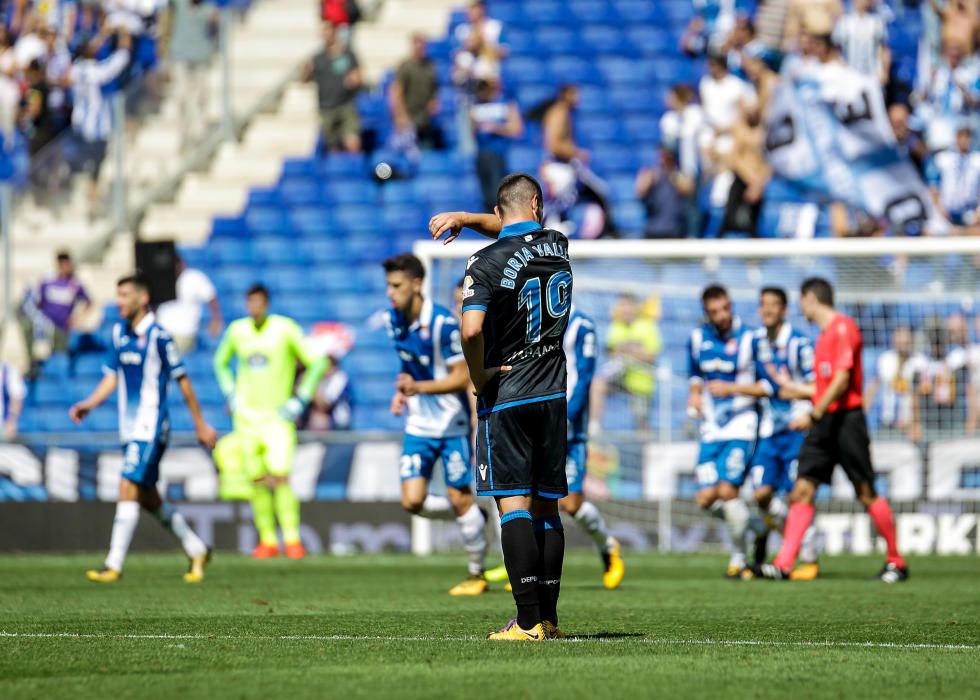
[(916, 295)]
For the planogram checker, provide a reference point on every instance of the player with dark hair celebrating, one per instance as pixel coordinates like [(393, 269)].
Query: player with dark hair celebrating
[(142, 360), (517, 299), (432, 389), (719, 354), (838, 434)]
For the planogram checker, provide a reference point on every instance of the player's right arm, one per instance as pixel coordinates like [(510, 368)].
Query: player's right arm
[(695, 380), (453, 223), (102, 391), (222, 366)]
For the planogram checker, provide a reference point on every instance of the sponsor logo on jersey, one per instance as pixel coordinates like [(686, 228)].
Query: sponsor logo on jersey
[(468, 290), (130, 358), (257, 360), (470, 262), (825, 369), (731, 346), (483, 472)]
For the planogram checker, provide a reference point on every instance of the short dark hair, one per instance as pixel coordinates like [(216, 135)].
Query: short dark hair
[(258, 288), (516, 190), (778, 292), (407, 263), (138, 279), (62, 255), (718, 58), (821, 289), (713, 291)]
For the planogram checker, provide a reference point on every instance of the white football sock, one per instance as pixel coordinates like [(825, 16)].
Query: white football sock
[(809, 547), (175, 522), (778, 510), (716, 510), (591, 520), (472, 525), (737, 516), (437, 508), (123, 527)]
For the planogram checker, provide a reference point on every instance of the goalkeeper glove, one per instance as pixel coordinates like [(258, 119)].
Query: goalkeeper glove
[(293, 409)]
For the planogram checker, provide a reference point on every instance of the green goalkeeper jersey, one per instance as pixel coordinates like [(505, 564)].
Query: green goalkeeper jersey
[(266, 366)]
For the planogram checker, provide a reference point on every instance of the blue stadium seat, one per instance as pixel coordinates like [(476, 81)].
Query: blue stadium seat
[(607, 39), (264, 197), (404, 217), (344, 192), (398, 192), (622, 188), (633, 11), (548, 12), (642, 128), (651, 40), (355, 219), (88, 366), (267, 220), (299, 190), (629, 216), (637, 102), (230, 251), (313, 221), (593, 129), (521, 42), (197, 257), (199, 364), (228, 227), (573, 69), (340, 165), (588, 12), (299, 167), (519, 69), (275, 251)]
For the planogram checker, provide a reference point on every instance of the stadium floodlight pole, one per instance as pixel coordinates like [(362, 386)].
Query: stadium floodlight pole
[(224, 48), (6, 215), (118, 161)]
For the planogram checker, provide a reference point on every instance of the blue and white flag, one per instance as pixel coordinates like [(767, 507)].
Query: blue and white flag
[(829, 133)]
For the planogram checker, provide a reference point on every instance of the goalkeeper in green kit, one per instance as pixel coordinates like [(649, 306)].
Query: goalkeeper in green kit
[(264, 412)]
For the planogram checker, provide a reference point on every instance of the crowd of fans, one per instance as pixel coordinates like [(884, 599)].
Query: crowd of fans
[(60, 62)]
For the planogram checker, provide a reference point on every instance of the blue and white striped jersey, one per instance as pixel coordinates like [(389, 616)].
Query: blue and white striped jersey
[(144, 359), (12, 388), (91, 115), (791, 352), (427, 347), (728, 358), (580, 357)]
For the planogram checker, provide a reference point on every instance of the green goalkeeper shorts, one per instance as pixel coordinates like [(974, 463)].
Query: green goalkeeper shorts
[(267, 447)]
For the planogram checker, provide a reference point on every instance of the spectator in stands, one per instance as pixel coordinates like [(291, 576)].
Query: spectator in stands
[(723, 97), (909, 143), (481, 48), (944, 398), (566, 176), (632, 347), (91, 116), (960, 22), (665, 193), (332, 407), (51, 310), (495, 121), (338, 79), (807, 15), (342, 14), (694, 40), (193, 31), (413, 96), (181, 317), (950, 94), (682, 129), (733, 48), (752, 173), (12, 394), (862, 37), (954, 180), (758, 72), (893, 385)]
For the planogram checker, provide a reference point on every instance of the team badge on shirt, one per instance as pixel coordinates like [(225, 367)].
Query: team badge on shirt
[(468, 290), (825, 369)]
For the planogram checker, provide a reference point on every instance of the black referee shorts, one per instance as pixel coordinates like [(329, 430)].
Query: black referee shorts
[(520, 451), (837, 438)]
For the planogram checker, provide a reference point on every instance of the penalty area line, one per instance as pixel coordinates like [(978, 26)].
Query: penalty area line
[(775, 643)]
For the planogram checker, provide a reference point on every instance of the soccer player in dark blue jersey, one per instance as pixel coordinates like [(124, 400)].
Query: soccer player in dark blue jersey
[(517, 298)]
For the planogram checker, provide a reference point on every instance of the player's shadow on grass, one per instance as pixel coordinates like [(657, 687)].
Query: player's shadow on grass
[(600, 636)]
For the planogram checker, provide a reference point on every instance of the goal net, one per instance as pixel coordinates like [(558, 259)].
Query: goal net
[(914, 302)]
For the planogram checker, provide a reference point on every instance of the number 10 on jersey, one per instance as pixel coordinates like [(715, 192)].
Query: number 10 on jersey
[(557, 295)]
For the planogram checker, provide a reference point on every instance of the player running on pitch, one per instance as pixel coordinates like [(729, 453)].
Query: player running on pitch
[(778, 350), (264, 410), (517, 301), (580, 357), (721, 350), (838, 434), (432, 388), (141, 362)]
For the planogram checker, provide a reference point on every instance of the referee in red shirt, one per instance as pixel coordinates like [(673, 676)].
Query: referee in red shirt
[(838, 434)]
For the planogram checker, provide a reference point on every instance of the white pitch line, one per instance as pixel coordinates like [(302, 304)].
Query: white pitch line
[(828, 644)]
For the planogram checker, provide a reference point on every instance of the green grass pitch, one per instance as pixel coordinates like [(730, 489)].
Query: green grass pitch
[(383, 626)]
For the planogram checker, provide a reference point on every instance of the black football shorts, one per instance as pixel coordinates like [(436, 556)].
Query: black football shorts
[(520, 450), (837, 438)]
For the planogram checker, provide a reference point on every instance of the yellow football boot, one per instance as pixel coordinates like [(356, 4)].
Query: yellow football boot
[(615, 568), (512, 632), (551, 631), (103, 575), (805, 572), (474, 585), (195, 574)]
